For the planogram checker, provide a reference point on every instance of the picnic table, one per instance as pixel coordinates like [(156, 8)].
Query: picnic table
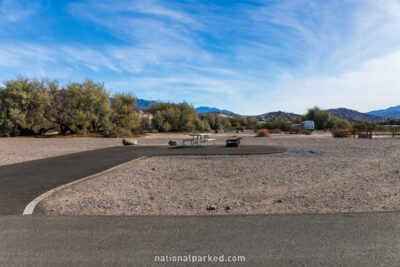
[(199, 139)]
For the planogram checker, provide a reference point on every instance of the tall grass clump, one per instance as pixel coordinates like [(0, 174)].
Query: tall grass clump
[(263, 133), (341, 133), (300, 131)]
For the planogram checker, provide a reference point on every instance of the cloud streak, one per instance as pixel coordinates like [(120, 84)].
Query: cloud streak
[(12, 11), (250, 57)]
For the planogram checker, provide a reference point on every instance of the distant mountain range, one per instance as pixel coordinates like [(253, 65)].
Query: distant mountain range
[(144, 104), (392, 112), (353, 115), (212, 110), (277, 114), (348, 114)]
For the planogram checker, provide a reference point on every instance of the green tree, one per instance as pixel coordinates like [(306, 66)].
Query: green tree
[(251, 123), (226, 123), (213, 120), (79, 107), (218, 122), (174, 117), (202, 125), (124, 120), (22, 104), (322, 118)]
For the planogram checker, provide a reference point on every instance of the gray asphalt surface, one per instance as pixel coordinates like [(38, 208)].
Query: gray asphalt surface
[(369, 239), (22, 182)]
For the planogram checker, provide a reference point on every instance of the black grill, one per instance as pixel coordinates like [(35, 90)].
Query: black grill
[(233, 142)]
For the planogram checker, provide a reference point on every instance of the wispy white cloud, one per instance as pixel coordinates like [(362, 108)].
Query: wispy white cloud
[(248, 57), (16, 11), (342, 57), (373, 84), (90, 58)]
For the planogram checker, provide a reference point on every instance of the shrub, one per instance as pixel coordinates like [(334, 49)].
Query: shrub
[(240, 128), (341, 133), (340, 123), (359, 126), (277, 123), (275, 131), (263, 133), (300, 131), (305, 132)]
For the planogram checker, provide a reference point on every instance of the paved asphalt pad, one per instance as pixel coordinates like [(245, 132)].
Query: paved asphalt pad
[(22, 182), (363, 239)]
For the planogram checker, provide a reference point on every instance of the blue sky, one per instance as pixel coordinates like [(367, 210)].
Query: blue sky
[(250, 57)]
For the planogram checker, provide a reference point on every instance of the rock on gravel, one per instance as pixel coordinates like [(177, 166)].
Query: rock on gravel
[(130, 142), (172, 142)]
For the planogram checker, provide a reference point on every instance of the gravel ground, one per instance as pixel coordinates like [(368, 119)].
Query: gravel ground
[(319, 174), (19, 149)]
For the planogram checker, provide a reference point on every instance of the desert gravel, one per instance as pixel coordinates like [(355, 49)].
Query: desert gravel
[(20, 149), (319, 174)]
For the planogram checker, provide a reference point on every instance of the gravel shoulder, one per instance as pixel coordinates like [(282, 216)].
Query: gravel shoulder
[(319, 174)]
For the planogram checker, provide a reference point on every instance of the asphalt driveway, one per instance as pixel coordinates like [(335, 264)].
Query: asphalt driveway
[(22, 182)]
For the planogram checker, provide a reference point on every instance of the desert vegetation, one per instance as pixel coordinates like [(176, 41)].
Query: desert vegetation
[(341, 133), (177, 118), (389, 123), (31, 107), (263, 133), (218, 123), (296, 130), (282, 124), (339, 127), (323, 120), (169, 117)]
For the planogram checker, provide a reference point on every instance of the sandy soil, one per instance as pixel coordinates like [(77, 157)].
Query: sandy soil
[(319, 174)]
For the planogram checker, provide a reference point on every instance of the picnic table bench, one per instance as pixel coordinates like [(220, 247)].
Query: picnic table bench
[(199, 139)]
